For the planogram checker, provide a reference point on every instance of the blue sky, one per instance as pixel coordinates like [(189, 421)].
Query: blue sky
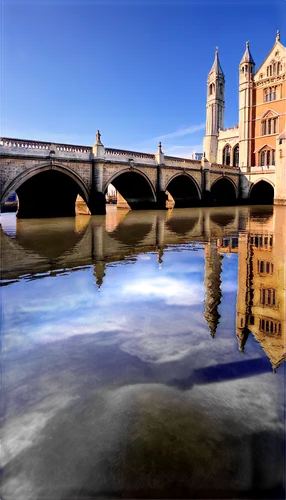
[(135, 70)]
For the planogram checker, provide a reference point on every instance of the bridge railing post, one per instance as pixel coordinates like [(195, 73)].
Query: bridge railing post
[(206, 187), (97, 197), (161, 195)]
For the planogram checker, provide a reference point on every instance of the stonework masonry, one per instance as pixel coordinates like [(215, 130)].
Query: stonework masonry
[(257, 144)]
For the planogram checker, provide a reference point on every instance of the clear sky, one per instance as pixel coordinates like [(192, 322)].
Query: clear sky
[(135, 70)]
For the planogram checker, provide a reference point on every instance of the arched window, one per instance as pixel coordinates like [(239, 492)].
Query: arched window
[(226, 155), (236, 156), (267, 157), (211, 89)]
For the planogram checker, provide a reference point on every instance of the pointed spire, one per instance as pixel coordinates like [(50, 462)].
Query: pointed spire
[(160, 255), (99, 273), (216, 67), (247, 57)]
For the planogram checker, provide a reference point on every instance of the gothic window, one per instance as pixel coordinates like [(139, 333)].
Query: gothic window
[(269, 126), (268, 157), (274, 125), (273, 157), (211, 89), (262, 159), (264, 127), (226, 155), (274, 68), (236, 156), (266, 95)]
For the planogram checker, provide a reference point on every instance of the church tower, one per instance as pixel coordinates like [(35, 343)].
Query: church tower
[(215, 109), (246, 74)]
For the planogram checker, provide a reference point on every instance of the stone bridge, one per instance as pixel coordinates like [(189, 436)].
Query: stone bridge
[(48, 177)]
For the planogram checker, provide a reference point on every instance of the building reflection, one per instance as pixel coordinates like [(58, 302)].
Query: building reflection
[(261, 304)]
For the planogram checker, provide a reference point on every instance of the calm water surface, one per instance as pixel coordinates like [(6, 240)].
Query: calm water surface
[(142, 355)]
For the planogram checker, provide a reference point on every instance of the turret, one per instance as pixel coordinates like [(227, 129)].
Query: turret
[(215, 109), (246, 74)]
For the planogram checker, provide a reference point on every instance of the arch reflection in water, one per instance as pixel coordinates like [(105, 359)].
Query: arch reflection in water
[(65, 243)]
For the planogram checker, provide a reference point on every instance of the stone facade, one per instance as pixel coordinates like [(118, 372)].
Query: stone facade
[(257, 143)]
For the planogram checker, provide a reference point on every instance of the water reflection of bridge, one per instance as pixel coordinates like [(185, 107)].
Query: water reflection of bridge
[(41, 248)]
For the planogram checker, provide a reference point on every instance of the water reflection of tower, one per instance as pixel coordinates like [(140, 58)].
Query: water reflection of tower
[(160, 234), (98, 254), (213, 267), (243, 306), (261, 288)]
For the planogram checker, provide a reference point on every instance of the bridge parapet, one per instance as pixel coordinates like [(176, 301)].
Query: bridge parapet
[(126, 156), (40, 148), (175, 161)]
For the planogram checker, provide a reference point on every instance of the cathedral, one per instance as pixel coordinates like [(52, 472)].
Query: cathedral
[(257, 142)]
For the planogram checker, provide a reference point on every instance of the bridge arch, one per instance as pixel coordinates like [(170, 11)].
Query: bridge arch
[(135, 187), (262, 192), (184, 189), (224, 191), (47, 191)]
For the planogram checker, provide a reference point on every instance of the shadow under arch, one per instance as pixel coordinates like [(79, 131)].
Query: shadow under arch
[(223, 192), (261, 193), (133, 229), (182, 223), (222, 219), (39, 248), (135, 187), (47, 191), (185, 191), (261, 214)]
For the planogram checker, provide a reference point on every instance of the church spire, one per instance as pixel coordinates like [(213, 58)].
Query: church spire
[(216, 67), (247, 57)]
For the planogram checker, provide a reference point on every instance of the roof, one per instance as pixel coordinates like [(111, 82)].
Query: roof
[(283, 134), (216, 67), (247, 57)]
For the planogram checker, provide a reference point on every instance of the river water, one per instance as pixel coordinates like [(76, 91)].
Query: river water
[(142, 355)]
